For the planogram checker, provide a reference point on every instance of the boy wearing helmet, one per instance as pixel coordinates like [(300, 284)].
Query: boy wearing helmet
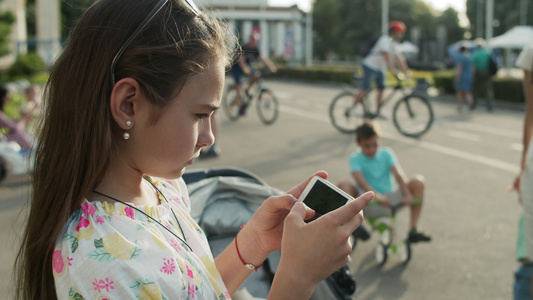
[(383, 55)]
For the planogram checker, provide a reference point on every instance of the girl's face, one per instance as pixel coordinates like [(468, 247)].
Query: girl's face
[(369, 146), (165, 148)]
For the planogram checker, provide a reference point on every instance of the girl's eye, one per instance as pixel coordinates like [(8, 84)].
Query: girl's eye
[(202, 116)]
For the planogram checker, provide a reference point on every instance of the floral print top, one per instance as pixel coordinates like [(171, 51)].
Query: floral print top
[(111, 251)]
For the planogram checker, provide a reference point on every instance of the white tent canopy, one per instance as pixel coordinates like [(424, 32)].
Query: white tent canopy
[(516, 38), (408, 47)]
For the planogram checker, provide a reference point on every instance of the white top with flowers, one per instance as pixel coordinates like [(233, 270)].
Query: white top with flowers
[(111, 251)]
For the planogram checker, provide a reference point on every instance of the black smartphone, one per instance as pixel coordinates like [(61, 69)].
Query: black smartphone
[(323, 196)]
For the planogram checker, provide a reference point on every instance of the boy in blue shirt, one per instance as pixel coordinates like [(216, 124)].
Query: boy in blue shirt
[(374, 169)]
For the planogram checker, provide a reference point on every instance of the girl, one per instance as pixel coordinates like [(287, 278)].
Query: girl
[(129, 102)]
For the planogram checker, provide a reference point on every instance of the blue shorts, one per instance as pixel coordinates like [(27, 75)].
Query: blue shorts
[(373, 75), (237, 73), (522, 282)]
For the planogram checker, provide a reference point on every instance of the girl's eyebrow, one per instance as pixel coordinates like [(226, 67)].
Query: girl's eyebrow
[(209, 106)]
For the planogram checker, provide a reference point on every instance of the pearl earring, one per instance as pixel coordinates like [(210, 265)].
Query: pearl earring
[(128, 123), (126, 135)]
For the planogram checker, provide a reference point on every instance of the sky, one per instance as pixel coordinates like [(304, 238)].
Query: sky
[(459, 5)]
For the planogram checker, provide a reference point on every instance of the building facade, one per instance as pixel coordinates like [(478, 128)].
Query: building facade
[(18, 32), (286, 32), (48, 33)]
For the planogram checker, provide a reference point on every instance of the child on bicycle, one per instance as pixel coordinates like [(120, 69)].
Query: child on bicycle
[(373, 168), (250, 54)]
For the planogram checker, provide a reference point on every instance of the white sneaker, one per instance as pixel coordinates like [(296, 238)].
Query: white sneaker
[(352, 112), (381, 116)]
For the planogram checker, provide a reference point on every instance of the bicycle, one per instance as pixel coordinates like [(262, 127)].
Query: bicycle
[(389, 244), (412, 114), (267, 104)]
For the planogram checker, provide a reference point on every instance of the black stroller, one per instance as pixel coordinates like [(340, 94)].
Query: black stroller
[(225, 198)]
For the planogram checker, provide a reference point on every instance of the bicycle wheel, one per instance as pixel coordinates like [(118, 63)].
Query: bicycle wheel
[(267, 106), (371, 105), (344, 115), (380, 254), (229, 103), (412, 115), (404, 250)]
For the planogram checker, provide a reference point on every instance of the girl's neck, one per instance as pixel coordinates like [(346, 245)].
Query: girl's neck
[(127, 186)]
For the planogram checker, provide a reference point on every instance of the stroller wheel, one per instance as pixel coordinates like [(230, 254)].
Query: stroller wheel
[(381, 254), (344, 281)]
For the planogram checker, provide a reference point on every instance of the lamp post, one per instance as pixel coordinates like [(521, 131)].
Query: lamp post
[(523, 12), (488, 19), (479, 19), (384, 16)]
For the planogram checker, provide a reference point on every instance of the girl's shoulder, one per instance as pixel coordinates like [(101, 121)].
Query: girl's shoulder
[(101, 217)]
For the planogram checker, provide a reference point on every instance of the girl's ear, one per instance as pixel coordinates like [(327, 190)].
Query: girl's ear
[(124, 102)]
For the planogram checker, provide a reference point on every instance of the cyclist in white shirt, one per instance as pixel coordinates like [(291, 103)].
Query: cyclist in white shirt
[(383, 55)]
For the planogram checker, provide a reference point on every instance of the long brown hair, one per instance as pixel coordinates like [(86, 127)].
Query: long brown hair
[(79, 134)]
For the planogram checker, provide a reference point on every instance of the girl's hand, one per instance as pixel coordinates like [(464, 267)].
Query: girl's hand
[(516, 187), (516, 183), (312, 251), (265, 229)]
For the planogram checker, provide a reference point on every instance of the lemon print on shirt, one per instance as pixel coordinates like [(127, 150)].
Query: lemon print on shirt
[(158, 238), (213, 274), (150, 291), (147, 289), (114, 246)]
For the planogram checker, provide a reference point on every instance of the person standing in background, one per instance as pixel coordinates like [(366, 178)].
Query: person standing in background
[(482, 77), (463, 78), (15, 129), (32, 108), (523, 286)]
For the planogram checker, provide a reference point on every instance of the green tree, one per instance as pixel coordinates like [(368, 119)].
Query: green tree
[(344, 25), (325, 26), (360, 22), (6, 20), (450, 19), (506, 15), (71, 10)]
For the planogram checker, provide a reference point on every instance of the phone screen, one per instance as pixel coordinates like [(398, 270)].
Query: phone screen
[(323, 199)]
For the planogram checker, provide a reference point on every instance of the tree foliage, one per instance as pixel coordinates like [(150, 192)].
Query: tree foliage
[(6, 21), (450, 19), (344, 25), (326, 29), (506, 15), (71, 10)]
